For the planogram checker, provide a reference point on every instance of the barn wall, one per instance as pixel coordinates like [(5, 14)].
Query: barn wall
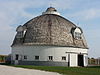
[(45, 51)]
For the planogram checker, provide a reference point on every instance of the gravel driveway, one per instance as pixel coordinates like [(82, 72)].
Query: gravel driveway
[(7, 70)]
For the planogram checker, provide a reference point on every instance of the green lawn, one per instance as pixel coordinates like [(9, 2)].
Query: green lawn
[(66, 70)]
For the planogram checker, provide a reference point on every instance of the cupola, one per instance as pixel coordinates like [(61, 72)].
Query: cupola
[(51, 10)]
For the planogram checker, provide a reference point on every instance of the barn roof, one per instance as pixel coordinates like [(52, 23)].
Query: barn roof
[(49, 29)]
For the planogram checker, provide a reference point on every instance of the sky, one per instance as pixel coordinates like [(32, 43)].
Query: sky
[(83, 13)]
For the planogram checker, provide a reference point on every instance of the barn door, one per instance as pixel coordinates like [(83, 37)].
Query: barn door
[(80, 60)]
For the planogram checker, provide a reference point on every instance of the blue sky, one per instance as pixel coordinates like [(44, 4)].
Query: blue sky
[(84, 13)]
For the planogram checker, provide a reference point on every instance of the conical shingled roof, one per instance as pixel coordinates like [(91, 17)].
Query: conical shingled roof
[(50, 29)]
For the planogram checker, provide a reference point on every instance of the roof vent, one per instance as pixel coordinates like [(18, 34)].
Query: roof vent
[(51, 10)]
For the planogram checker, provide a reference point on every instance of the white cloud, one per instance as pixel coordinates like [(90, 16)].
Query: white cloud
[(91, 14), (10, 13), (88, 14)]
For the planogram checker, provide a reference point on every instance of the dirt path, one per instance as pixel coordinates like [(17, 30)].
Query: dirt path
[(7, 70)]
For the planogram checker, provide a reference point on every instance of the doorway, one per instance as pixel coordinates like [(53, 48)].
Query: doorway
[(80, 60), (16, 59)]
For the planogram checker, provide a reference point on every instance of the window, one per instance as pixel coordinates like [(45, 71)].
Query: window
[(63, 58), (50, 57), (25, 57), (77, 35), (36, 57), (19, 35), (24, 32)]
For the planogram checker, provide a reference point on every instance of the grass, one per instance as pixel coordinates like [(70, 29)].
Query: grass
[(66, 70)]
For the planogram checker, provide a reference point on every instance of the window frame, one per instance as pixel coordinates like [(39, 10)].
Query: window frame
[(37, 57), (64, 58), (78, 35), (25, 57), (50, 58)]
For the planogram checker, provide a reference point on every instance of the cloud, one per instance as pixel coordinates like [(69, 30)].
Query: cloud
[(10, 14), (88, 14)]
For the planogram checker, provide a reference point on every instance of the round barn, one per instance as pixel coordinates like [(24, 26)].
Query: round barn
[(49, 40)]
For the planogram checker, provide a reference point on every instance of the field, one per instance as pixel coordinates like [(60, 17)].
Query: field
[(66, 70)]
